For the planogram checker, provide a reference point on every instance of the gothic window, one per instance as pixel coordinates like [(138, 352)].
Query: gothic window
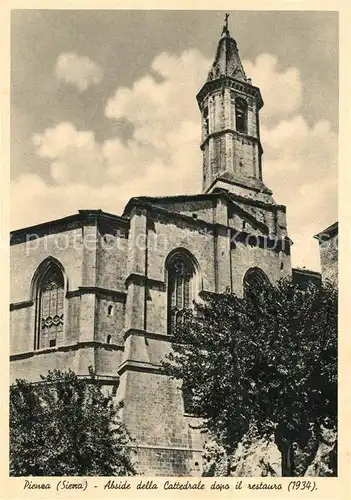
[(50, 308), (241, 115), (254, 277), (180, 295)]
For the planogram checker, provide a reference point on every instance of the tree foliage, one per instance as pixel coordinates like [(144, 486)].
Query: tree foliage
[(66, 426), (268, 358)]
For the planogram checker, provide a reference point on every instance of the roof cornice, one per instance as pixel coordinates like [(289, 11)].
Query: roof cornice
[(229, 82), (83, 217), (330, 231)]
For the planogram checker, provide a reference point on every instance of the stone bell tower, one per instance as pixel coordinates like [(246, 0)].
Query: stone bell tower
[(230, 106)]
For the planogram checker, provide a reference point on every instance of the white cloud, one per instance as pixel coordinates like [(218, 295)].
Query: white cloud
[(163, 157), (165, 142), (281, 90), (75, 155), (80, 71), (157, 109), (299, 153), (49, 202), (300, 166)]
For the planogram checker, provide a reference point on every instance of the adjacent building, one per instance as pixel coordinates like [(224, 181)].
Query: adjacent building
[(328, 248)]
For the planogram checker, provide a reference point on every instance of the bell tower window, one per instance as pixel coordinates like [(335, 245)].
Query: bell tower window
[(206, 122), (241, 115)]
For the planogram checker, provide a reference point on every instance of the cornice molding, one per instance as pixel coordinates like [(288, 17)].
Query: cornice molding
[(140, 366), (66, 348), (105, 379), (234, 133), (148, 335), (198, 224), (21, 305), (273, 207), (142, 280), (75, 221), (241, 183), (231, 83), (119, 296), (330, 232)]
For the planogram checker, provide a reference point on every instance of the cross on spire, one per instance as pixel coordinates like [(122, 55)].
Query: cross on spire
[(225, 25)]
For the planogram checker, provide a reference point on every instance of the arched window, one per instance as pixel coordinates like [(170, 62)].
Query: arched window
[(254, 277), (108, 339), (49, 307), (180, 272), (241, 115)]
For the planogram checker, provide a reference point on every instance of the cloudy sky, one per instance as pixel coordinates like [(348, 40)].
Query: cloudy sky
[(103, 108)]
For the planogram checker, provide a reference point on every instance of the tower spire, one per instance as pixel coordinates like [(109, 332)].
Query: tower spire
[(227, 61), (229, 106)]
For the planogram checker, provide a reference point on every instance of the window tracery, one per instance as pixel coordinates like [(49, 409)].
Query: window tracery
[(50, 308), (180, 290)]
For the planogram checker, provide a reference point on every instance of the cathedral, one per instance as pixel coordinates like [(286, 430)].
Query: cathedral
[(104, 290)]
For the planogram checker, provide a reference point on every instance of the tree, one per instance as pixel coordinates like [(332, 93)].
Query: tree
[(66, 426), (269, 358)]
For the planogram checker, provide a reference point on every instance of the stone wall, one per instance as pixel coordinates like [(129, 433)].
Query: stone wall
[(329, 259), (109, 319), (116, 309), (112, 259), (202, 209), (25, 259), (38, 363), (328, 249), (275, 264), (88, 321), (167, 443)]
